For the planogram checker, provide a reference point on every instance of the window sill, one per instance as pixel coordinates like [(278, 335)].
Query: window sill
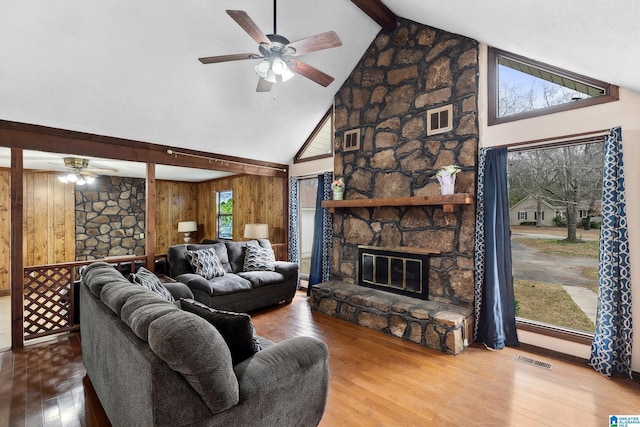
[(554, 331)]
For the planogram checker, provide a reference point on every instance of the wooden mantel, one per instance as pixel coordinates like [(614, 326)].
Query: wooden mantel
[(449, 203)]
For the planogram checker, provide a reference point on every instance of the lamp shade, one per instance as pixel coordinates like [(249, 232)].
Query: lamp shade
[(187, 226), (256, 231)]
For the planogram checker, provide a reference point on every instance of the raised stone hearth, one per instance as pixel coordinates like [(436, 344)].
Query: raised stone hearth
[(432, 324)]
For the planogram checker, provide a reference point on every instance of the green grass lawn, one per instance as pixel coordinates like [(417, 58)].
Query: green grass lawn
[(549, 303), (583, 249)]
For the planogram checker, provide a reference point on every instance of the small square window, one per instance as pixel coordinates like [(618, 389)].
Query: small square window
[(351, 140), (440, 120)]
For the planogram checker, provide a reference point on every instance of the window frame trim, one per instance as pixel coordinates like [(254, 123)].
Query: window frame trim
[(612, 91), (327, 116)]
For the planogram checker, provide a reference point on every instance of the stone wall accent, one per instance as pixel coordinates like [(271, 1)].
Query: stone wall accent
[(110, 217), (440, 326), (401, 76)]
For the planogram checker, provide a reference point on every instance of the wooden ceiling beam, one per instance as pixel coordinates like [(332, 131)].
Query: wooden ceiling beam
[(42, 138), (377, 11)]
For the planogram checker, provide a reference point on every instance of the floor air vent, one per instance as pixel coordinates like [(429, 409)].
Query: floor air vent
[(534, 362)]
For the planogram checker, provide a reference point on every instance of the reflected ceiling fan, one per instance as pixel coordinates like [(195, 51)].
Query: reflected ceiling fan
[(80, 173), (279, 57)]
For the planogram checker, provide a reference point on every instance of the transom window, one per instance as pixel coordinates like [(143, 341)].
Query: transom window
[(521, 88)]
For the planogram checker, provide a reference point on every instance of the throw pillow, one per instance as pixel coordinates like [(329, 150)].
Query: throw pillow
[(205, 262), (236, 328), (150, 281), (257, 258)]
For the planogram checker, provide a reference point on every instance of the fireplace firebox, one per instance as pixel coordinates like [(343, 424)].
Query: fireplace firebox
[(401, 270)]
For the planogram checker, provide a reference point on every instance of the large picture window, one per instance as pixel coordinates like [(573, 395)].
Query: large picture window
[(555, 259), (521, 88), (225, 214)]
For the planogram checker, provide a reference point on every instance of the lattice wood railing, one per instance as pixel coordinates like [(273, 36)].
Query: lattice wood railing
[(49, 296)]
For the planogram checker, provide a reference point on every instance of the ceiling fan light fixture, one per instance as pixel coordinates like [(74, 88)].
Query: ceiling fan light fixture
[(263, 68), (274, 70), (287, 74), (76, 178), (278, 66)]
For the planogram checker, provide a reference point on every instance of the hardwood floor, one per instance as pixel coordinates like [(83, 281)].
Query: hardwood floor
[(376, 380)]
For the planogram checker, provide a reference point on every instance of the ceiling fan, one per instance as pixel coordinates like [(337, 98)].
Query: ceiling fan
[(279, 56), (80, 173)]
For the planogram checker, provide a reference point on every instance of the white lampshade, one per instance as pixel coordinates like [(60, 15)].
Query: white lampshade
[(256, 231), (187, 226)]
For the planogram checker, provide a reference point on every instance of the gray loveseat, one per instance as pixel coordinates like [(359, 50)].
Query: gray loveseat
[(153, 364), (236, 290)]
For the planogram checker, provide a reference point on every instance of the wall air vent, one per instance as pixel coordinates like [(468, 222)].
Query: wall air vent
[(440, 120), (351, 140)]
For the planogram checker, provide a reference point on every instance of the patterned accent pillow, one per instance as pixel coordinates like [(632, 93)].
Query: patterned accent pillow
[(257, 258), (206, 263), (152, 282)]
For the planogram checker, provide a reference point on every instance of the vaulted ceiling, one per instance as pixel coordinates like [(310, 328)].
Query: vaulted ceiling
[(129, 68)]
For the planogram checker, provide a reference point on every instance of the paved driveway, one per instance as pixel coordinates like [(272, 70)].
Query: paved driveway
[(532, 264)]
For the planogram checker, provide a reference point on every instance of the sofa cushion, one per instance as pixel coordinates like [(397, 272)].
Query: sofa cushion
[(205, 262), (193, 347), (152, 282), (140, 300), (257, 258), (140, 319), (236, 328), (228, 284), (98, 274), (262, 278), (115, 294), (235, 251)]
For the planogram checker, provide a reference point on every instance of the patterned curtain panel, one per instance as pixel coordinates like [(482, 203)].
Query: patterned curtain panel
[(611, 348), (321, 251), (495, 322), (294, 223)]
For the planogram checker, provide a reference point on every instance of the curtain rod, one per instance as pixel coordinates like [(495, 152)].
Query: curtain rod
[(223, 162), (557, 140)]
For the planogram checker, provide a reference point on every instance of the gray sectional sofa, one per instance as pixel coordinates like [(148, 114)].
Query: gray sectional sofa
[(152, 363), (237, 289)]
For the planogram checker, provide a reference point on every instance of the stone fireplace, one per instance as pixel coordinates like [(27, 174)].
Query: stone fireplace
[(403, 76), (404, 271)]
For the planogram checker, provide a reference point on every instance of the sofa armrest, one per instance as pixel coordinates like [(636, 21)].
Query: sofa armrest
[(296, 361), (178, 290), (287, 269)]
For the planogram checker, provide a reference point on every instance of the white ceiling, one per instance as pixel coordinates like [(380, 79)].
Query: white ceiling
[(41, 161), (129, 68)]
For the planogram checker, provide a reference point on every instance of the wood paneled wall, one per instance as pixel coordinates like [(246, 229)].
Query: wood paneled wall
[(175, 202), (5, 230), (49, 222), (49, 207), (49, 219), (256, 199)]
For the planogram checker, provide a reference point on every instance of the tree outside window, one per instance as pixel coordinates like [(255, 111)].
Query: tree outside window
[(225, 214)]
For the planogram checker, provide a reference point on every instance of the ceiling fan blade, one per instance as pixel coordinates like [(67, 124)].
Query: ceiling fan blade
[(314, 43), (101, 170), (88, 173), (263, 85), (241, 17), (225, 58), (310, 72)]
